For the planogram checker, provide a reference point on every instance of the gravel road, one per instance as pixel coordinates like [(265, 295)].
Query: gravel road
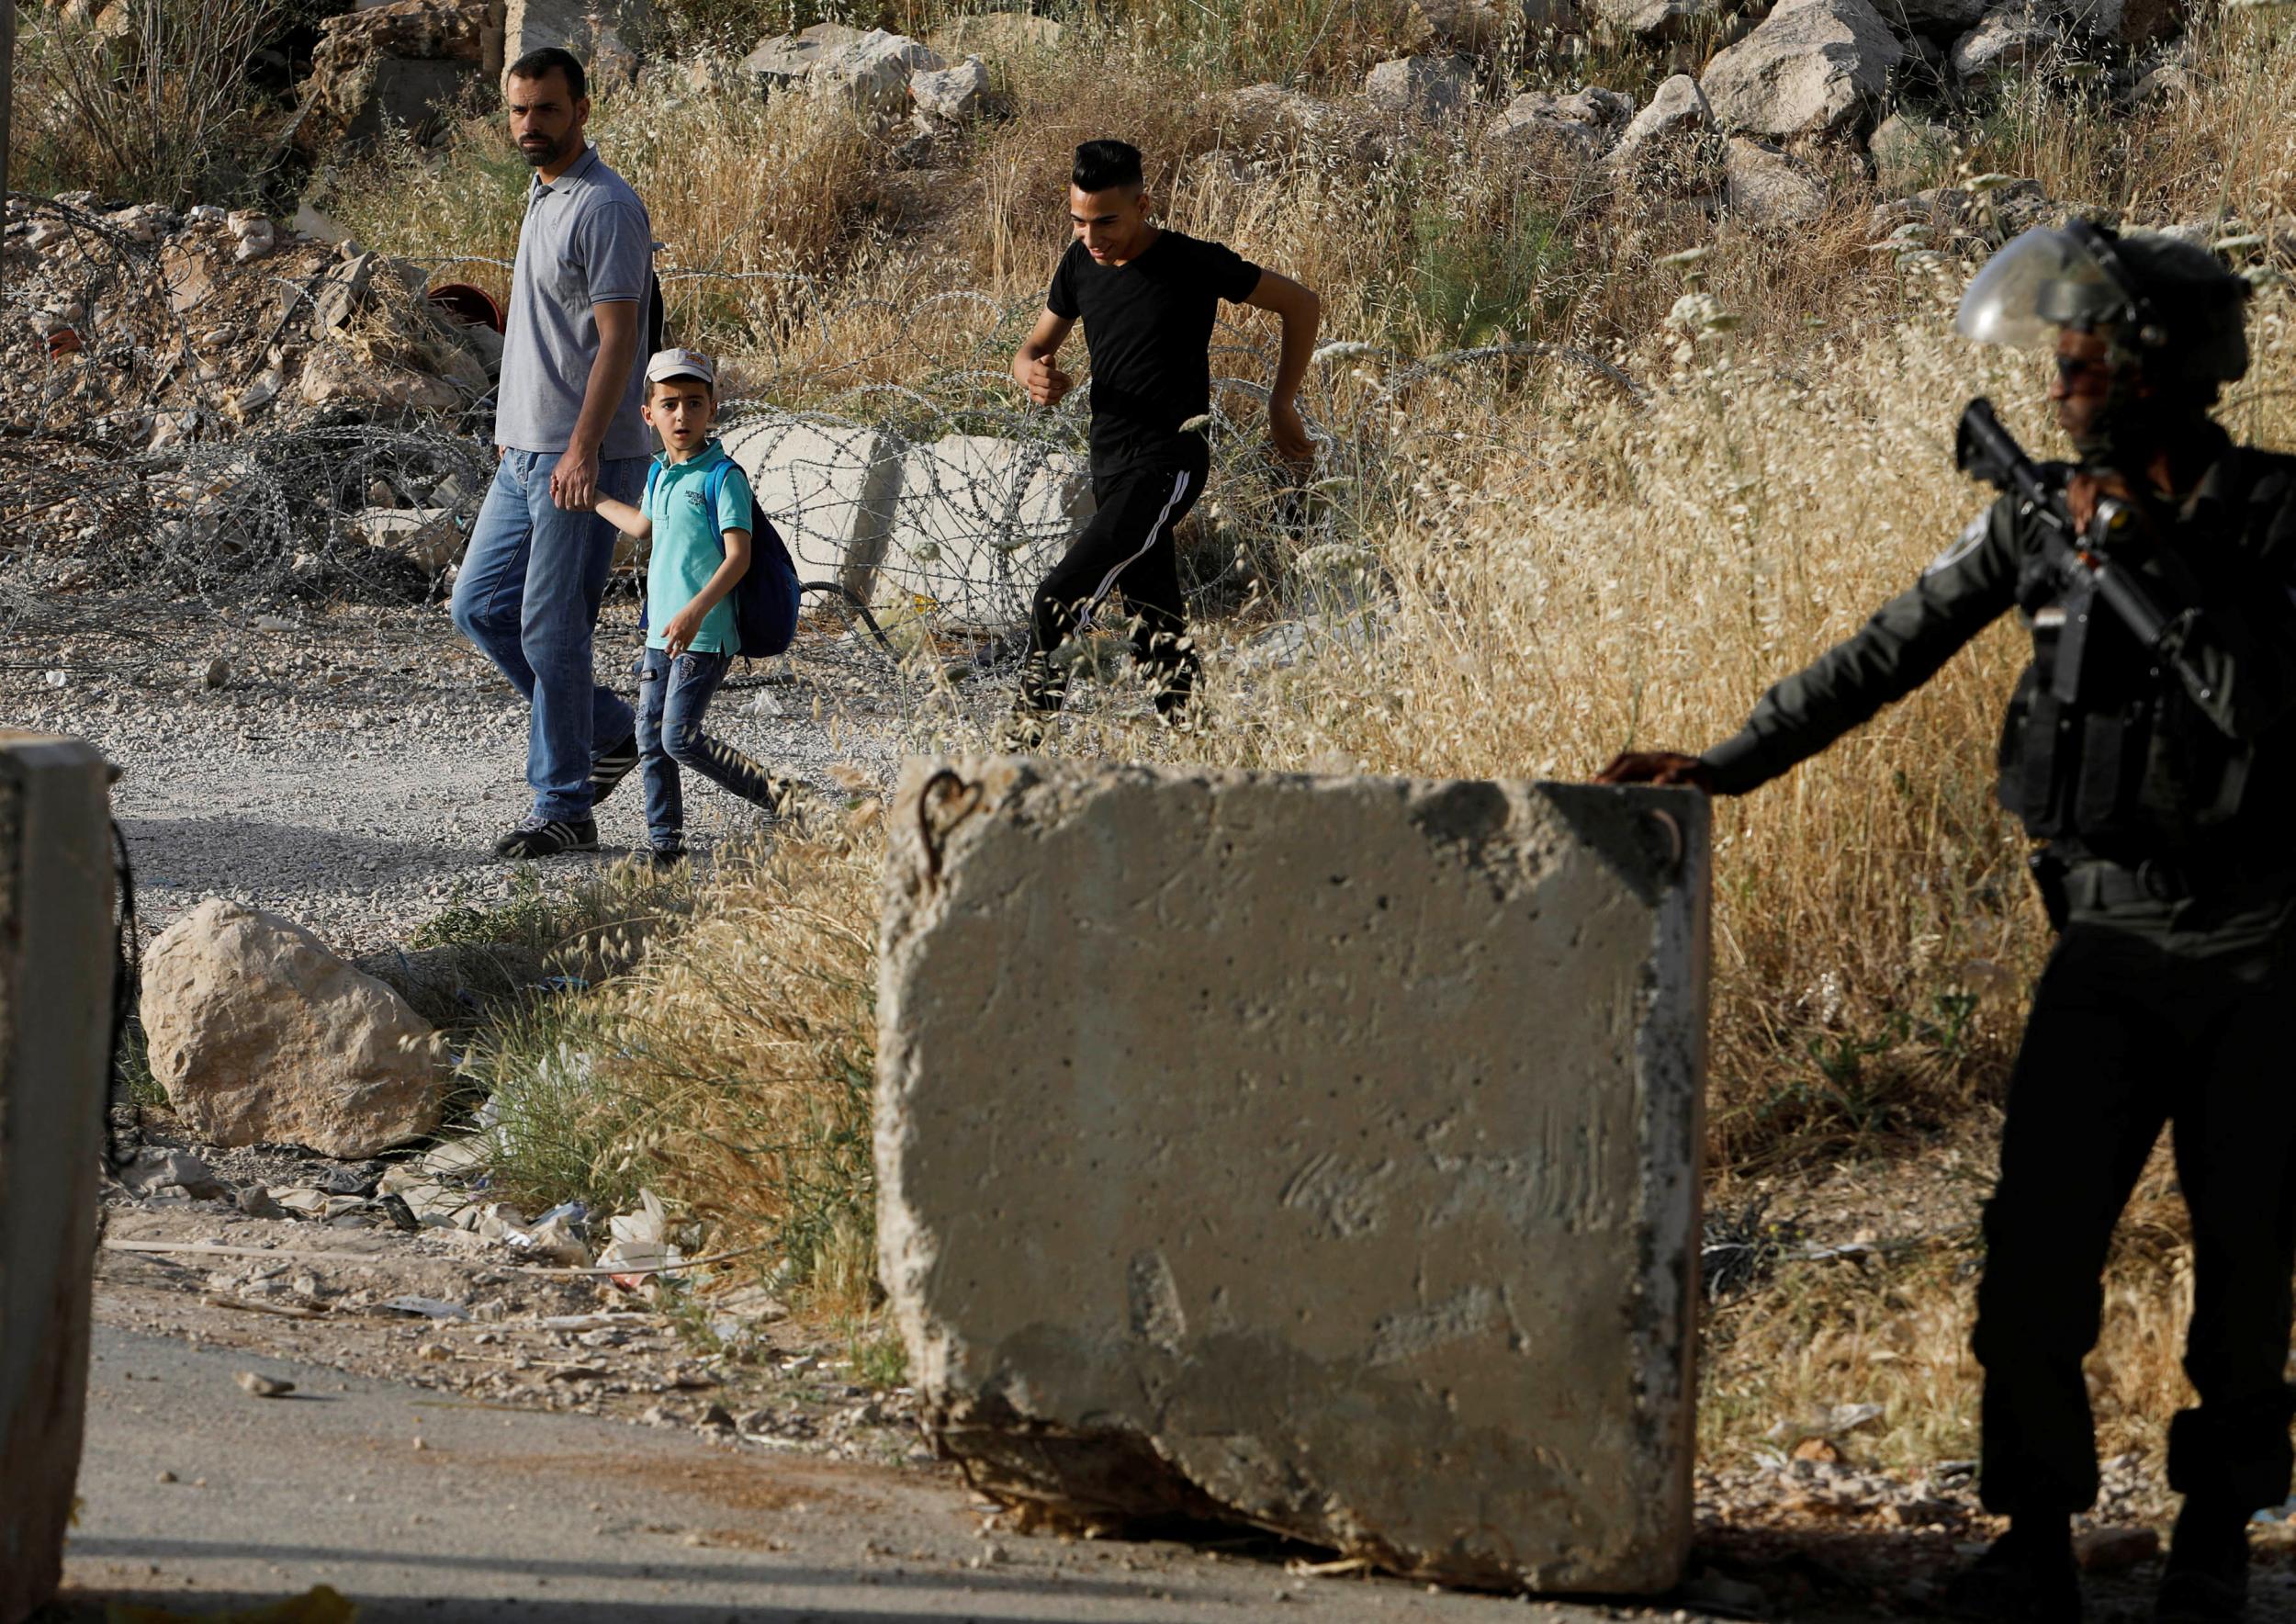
[(352, 771)]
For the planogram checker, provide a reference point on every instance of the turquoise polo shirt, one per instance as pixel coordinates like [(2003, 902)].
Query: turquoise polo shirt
[(689, 543)]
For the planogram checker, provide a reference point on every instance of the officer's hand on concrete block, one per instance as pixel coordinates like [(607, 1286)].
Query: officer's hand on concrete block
[(1666, 769)]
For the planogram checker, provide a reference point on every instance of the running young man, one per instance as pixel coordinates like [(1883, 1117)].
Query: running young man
[(1148, 298)]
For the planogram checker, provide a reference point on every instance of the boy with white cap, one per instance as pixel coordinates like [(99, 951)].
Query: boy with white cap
[(697, 510)]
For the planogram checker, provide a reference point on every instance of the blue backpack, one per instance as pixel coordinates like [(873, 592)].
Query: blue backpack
[(765, 598)]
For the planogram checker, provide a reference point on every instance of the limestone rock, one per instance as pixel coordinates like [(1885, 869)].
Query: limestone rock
[(1316, 1154), (952, 96), (1471, 26), (261, 1035), (995, 34), (1813, 67), (1427, 88), (2169, 83), (874, 72), (1907, 151), (787, 60), (1655, 19), (333, 374), (1763, 186), (1592, 119), (1671, 145), (2004, 44), (396, 66), (1290, 117), (593, 29)]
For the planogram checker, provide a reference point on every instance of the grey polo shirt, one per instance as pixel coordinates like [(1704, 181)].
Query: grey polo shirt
[(586, 240)]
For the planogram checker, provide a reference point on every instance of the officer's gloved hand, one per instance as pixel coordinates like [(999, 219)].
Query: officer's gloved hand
[(1666, 769), (2086, 492)]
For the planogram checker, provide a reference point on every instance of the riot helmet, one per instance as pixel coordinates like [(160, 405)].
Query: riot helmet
[(2168, 308)]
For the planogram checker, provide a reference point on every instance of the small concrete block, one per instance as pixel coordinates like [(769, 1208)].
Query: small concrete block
[(1319, 1154), (980, 521), (830, 488)]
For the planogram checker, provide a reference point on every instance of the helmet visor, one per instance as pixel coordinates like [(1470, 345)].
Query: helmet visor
[(2041, 280)]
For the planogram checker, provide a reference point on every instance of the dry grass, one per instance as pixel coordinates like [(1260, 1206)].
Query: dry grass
[(1558, 571)]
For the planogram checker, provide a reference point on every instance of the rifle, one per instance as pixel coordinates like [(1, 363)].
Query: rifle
[(1985, 450)]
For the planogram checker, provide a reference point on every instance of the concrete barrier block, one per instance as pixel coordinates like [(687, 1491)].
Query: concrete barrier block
[(1321, 1154), (55, 1061), (980, 521), (830, 488)]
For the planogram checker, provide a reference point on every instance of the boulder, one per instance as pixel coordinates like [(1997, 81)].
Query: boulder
[(1655, 20), (1672, 144), (787, 60), (979, 522), (874, 72), (1293, 118), (952, 96), (1813, 67), (261, 1036), (335, 374), (1907, 151), (431, 536), (1469, 25), (1763, 186), (601, 32), (1315, 1154), (1425, 88), (2004, 45), (1591, 119), (2162, 87), (829, 486), (994, 34), (401, 66)]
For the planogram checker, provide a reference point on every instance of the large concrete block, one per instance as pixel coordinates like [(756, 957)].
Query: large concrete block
[(1318, 1154), (980, 521), (830, 488), (56, 956)]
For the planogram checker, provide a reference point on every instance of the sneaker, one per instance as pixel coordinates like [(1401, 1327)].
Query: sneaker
[(2019, 1581), (2207, 1580), (546, 837), (2201, 1595), (668, 856), (610, 768)]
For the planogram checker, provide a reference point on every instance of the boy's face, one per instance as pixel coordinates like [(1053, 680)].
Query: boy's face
[(1110, 224), (681, 410)]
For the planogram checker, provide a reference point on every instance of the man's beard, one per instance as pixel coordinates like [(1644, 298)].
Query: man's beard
[(539, 155)]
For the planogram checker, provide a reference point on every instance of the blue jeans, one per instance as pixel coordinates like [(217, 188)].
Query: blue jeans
[(528, 596), (672, 697)]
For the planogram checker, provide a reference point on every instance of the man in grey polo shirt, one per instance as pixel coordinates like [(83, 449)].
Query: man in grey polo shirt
[(567, 429)]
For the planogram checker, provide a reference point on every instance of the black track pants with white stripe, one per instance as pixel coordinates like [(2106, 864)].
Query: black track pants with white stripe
[(1125, 547)]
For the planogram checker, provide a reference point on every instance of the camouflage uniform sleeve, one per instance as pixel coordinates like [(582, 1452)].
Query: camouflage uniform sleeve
[(1897, 650)]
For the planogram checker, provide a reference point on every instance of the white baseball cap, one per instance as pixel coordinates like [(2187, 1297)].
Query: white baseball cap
[(682, 364)]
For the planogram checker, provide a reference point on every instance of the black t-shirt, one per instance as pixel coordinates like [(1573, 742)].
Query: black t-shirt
[(1148, 323)]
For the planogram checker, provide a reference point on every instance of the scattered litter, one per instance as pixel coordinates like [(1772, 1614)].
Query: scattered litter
[(640, 1246), (427, 1308), (254, 1306), (1830, 1423), (263, 1386)]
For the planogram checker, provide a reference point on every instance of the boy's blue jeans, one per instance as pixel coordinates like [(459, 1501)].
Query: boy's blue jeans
[(672, 697), (528, 595)]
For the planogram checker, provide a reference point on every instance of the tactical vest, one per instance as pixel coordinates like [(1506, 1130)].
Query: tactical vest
[(2101, 746)]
